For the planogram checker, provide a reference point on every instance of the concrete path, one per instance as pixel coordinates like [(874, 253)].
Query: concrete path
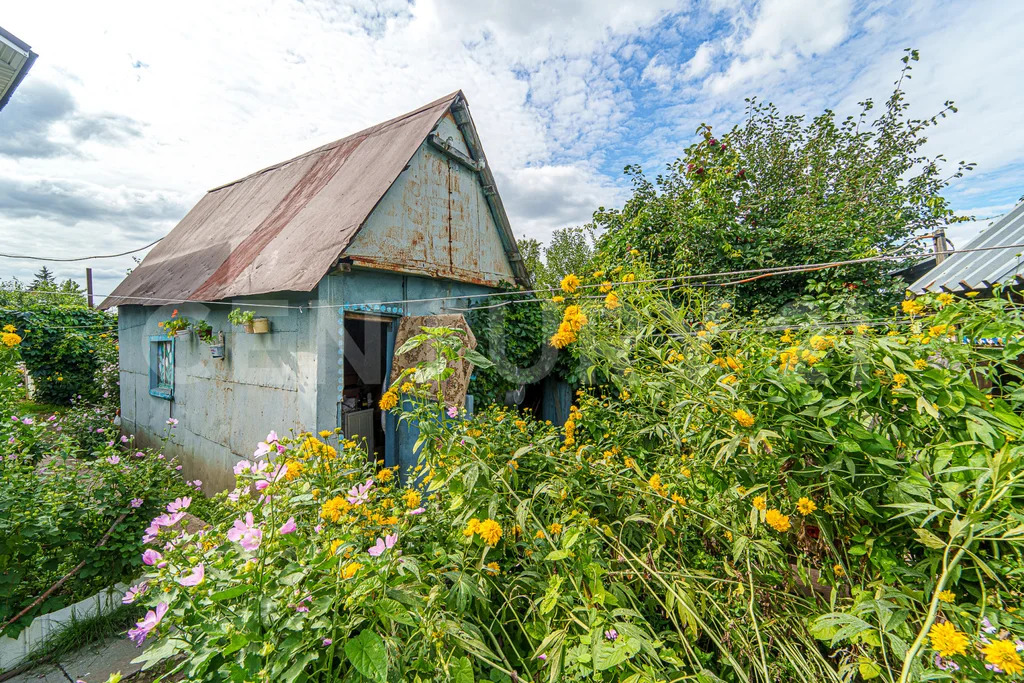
[(93, 664)]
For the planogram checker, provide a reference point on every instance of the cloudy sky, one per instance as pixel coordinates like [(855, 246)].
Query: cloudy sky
[(131, 113)]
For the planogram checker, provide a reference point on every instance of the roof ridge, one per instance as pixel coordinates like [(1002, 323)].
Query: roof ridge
[(453, 97)]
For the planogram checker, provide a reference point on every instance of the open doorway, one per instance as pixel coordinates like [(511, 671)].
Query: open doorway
[(365, 350)]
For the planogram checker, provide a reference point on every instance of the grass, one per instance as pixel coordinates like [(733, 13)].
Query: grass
[(34, 408), (81, 632)]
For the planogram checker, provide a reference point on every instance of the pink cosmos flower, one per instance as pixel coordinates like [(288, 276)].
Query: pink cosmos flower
[(179, 504), (113, 460), (242, 466), (172, 421), (137, 502), (272, 437), (198, 484), (133, 593), (195, 578), (417, 511), (178, 468), (28, 421), (274, 476), (147, 624), (124, 439), (261, 450), (238, 493), (110, 443), (382, 545), (453, 411), (542, 657), (151, 557), (289, 527), (14, 418), (360, 493), (140, 454), (246, 534)]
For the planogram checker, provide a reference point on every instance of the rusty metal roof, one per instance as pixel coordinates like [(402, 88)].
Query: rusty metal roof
[(284, 227), (987, 266)]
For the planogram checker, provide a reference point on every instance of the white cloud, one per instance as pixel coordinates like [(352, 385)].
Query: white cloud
[(701, 61), (657, 73)]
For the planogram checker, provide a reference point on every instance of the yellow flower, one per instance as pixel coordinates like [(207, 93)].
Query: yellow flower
[(655, 483), (947, 596), (899, 379), (726, 306), (744, 418), (539, 534), (819, 343), (912, 307), (563, 337), (598, 274), (334, 508), (570, 283), (630, 463), (606, 287), (389, 400), (806, 506), (760, 503), (335, 544), (838, 570), (12, 328), (634, 252), (558, 298), (945, 299), (971, 295), (777, 520), (1003, 654), (575, 317), (939, 330), (294, 470), (385, 475), (786, 337), (554, 528), (10, 339), (489, 531), (920, 364), (412, 499), (350, 570), (611, 302), (326, 433), (862, 329), (678, 500), (947, 641), (629, 277), (493, 568)]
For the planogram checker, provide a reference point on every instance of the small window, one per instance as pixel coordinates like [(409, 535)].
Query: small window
[(161, 367)]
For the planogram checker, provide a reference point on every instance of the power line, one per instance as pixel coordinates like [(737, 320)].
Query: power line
[(78, 258)]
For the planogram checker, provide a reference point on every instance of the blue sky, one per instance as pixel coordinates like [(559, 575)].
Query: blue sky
[(133, 111)]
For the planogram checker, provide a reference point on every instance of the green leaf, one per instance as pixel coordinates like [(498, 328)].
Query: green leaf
[(232, 592), (556, 555), (368, 655), (869, 669), (462, 671)]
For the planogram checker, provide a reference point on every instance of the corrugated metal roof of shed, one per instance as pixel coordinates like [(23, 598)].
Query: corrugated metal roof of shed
[(283, 227), (969, 270)]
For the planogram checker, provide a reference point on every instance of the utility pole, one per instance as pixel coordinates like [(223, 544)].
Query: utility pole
[(940, 245), (88, 286)]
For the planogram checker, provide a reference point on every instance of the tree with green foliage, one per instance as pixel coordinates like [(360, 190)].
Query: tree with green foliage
[(43, 279), (779, 190), (571, 250)]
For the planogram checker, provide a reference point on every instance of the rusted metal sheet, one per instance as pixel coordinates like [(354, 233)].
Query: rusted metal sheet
[(284, 227)]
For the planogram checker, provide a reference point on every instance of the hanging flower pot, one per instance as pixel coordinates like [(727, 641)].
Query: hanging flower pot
[(217, 351), (183, 334), (247, 327), (260, 325)]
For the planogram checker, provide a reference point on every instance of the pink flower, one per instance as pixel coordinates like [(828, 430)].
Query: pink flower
[(318, 528), (137, 502), (417, 511), (198, 484), (382, 545), (453, 411), (169, 520), (289, 527), (542, 657), (99, 430), (238, 493), (178, 468), (133, 593), (172, 421), (272, 437), (195, 578), (151, 557), (27, 421), (147, 624), (246, 534), (52, 418), (179, 504), (262, 449), (242, 466), (124, 439), (360, 493), (140, 454), (113, 460), (327, 642)]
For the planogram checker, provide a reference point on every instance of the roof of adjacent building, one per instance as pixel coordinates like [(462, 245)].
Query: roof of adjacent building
[(284, 228), (16, 58), (981, 264)]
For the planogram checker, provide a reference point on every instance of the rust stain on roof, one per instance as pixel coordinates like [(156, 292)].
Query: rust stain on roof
[(283, 227)]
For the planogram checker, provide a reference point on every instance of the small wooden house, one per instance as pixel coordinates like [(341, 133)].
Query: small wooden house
[(334, 247)]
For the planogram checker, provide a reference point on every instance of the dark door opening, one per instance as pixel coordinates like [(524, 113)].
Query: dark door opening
[(365, 349)]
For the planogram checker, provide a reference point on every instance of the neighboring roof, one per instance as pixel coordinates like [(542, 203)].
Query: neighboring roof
[(972, 270), (16, 58), (283, 228)]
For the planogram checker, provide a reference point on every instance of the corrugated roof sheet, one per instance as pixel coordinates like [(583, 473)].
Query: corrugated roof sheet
[(284, 227), (969, 270)]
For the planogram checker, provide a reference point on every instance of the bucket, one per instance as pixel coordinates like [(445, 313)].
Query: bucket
[(260, 325)]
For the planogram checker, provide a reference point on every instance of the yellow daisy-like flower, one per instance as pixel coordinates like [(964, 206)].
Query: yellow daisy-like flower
[(558, 298), (350, 570), (945, 299), (471, 527), (947, 596), (334, 508), (1003, 654), (563, 337), (335, 544), (678, 500), (634, 252), (294, 470), (570, 283), (819, 343), (971, 295), (899, 379), (726, 306), (575, 317), (385, 475), (539, 534), (598, 274), (489, 531), (389, 400), (655, 483), (920, 364), (760, 503), (947, 641), (606, 287), (912, 307), (777, 520), (838, 570), (326, 433), (412, 499), (493, 568), (12, 328), (554, 528), (611, 302), (629, 277), (862, 329), (806, 506), (744, 418), (10, 339)]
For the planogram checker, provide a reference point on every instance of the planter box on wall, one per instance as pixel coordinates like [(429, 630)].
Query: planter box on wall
[(16, 651)]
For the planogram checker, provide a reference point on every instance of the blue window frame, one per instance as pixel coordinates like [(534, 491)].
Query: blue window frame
[(161, 367)]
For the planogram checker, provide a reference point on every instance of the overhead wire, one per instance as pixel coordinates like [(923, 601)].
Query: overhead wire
[(78, 258)]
